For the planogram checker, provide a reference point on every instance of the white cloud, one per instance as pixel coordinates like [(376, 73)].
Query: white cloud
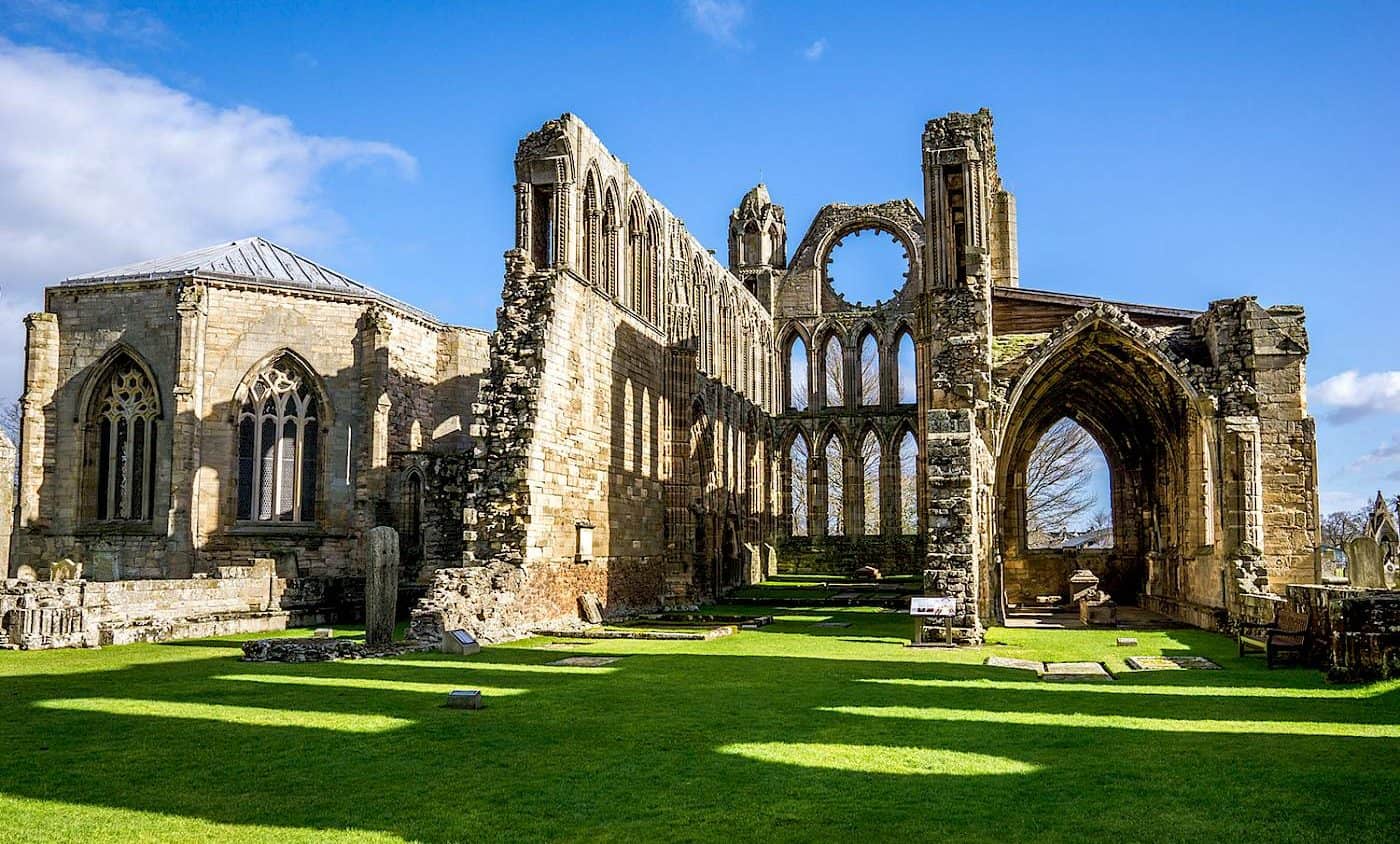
[(816, 50), (93, 19), (1332, 501), (719, 19), (101, 167), (1354, 395), (1381, 454)]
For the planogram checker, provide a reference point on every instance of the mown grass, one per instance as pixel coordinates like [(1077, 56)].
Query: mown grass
[(791, 732)]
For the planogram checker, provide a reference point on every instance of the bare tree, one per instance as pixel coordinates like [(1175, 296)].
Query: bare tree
[(9, 420), (1058, 494), (1340, 527)]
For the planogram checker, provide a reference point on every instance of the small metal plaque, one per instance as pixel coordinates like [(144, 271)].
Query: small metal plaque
[(463, 638)]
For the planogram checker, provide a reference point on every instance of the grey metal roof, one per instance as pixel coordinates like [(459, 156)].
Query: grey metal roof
[(253, 258)]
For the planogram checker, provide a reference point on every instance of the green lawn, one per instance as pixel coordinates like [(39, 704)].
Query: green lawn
[(791, 732)]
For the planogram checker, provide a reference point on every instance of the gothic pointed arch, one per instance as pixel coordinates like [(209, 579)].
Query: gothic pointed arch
[(833, 452), (591, 244), (797, 467), (796, 370), (610, 227), (905, 366), (283, 413), (868, 366), (905, 445), (121, 417), (869, 465), (832, 368)]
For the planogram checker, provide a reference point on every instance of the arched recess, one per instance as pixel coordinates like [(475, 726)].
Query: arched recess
[(590, 252), (637, 256), (411, 517), (121, 416), (283, 416), (1143, 415)]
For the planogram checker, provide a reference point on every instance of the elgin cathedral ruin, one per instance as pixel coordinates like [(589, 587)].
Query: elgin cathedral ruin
[(207, 439)]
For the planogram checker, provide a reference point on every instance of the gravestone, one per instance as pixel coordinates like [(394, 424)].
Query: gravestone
[(381, 584), (460, 642), (1364, 567), (26, 573), (464, 699), (591, 608)]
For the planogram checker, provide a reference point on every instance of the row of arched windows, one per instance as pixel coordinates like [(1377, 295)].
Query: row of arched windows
[(279, 442), (606, 246), (845, 383), (880, 481)]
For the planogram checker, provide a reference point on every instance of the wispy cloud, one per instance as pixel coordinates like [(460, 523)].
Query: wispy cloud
[(1332, 501), (1354, 395), (720, 20), (1387, 453), (128, 168), (815, 50), (98, 19)]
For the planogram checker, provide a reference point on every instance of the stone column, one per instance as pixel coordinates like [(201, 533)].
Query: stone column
[(372, 456), (7, 501), (36, 443), (186, 423), (381, 584), (682, 485)]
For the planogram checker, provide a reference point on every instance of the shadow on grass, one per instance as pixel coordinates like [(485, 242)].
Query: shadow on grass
[(706, 744)]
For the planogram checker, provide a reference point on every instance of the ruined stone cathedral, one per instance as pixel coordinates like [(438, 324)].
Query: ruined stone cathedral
[(645, 423)]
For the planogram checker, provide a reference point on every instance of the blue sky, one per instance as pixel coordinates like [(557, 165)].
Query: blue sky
[(1166, 154)]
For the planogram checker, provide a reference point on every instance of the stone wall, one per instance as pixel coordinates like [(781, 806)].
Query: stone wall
[(78, 613), (8, 467)]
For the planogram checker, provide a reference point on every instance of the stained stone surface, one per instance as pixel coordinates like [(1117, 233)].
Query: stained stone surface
[(381, 584), (1020, 664), (1076, 672), (585, 661), (1171, 663)]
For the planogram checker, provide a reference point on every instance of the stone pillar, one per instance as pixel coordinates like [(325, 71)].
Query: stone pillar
[(372, 456), (682, 485), (40, 381), (185, 430), (7, 501), (381, 584)]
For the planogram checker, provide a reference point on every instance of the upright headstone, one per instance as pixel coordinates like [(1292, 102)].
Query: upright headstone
[(1364, 567), (381, 584)]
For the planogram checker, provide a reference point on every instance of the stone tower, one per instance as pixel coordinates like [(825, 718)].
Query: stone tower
[(758, 242)]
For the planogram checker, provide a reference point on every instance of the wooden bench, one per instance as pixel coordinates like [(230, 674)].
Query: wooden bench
[(1288, 634)]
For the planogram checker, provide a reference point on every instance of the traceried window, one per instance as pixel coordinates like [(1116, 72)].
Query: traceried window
[(870, 482), (908, 484), (835, 488), (798, 460), (869, 371), (835, 373), (279, 446), (125, 412)]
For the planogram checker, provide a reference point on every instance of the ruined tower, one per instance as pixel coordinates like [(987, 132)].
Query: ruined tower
[(757, 242)]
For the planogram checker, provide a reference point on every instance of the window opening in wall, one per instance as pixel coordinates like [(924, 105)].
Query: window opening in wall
[(870, 482), (908, 484), (126, 412), (869, 371), (835, 373), (278, 446), (835, 488), (542, 224), (798, 468), (867, 266), (905, 372), (1068, 503), (797, 375)]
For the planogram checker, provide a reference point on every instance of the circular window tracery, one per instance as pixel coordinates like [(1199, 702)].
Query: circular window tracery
[(867, 265)]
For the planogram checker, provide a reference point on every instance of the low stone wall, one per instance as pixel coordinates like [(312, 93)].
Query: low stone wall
[(80, 613), (845, 554), (501, 601), (1355, 632)]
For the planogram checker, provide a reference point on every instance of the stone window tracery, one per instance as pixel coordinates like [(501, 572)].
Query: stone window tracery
[(905, 374), (870, 482), (869, 371), (797, 375), (279, 446), (126, 412), (908, 484), (798, 467), (834, 456), (835, 371)]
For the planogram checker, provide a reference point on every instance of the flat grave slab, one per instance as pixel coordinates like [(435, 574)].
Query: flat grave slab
[(832, 624), (1125, 641), (1076, 672), (584, 661), (1171, 663), (1019, 664)]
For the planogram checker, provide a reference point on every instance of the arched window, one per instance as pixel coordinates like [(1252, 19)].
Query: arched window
[(870, 482), (411, 531), (797, 375), (279, 445), (124, 413), (869, 370), (797, 473), (611, 225), (835, 487), (1067, 491), (834, 372), (905, 373), (908, 484), (651, 275), (753, 245), (636, 259), (592, 232)]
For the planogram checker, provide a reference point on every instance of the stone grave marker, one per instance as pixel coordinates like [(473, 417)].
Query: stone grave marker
[(590, 608), (1364, 563), (584, 661), (460, 642), (1126, 642), (1018, 664), (1076, 672), (26, 573), (464, 699), (381, 584)]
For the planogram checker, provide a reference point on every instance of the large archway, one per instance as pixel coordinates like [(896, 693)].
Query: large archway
[(1141, 413)]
